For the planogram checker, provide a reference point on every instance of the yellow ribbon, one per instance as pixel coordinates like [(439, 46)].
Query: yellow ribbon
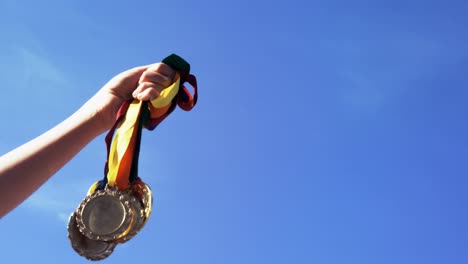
[(123, 144)]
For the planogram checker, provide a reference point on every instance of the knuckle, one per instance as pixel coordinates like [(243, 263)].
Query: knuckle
[(146, 85), (155, 67), (145, 75)]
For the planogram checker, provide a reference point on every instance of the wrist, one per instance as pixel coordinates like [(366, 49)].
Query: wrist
[(101, 109)]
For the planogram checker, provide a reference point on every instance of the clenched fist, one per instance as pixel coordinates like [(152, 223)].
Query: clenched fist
[(143, 83)]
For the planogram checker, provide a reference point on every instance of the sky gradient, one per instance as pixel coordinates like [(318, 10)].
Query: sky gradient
[(326, 132)]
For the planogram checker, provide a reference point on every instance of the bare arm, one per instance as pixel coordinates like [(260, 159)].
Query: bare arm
[(24, 169)]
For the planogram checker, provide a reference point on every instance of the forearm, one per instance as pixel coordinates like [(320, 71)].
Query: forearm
[(25, 169)]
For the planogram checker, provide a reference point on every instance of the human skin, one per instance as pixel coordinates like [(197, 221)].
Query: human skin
[(26, 168)]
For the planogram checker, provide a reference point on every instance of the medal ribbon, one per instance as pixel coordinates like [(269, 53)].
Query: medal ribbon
[(123, 139)]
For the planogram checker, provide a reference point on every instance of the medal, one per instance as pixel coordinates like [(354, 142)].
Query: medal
[(105, 215), (88, 248), (142, 209), (118, 207), (146, 196)]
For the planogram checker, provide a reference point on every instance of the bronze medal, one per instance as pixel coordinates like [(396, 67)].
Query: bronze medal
[(105, 215), (88, 248)]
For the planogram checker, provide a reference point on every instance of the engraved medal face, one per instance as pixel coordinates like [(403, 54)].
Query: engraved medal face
[(88, 248), (105, 215)]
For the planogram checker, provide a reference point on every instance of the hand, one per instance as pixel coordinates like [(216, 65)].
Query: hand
[(143, 83)]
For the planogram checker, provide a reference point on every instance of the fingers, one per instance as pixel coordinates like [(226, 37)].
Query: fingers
[(163, 69), (158, 72), (155, 77), (148, 91), (153, 80)]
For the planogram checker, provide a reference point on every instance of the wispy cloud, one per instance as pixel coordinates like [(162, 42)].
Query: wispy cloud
[(37, 67), (50, 204), (30, 75), (58, 198)]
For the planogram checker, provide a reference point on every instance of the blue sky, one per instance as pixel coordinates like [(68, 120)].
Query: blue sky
[(326, 131)]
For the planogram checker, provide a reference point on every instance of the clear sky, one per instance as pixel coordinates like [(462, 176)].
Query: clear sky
[(327, 132)]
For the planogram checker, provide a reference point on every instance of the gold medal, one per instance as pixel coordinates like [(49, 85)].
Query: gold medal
[(106, 215), (142, 209), (88, 248), (147, 198)]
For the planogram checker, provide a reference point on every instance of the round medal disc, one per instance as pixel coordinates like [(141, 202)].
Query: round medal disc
[(88, 248), (136, 224), (147, 199), (141, 207), (105, 215)]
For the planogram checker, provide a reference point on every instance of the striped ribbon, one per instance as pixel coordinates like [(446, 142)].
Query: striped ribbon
[(123, 139)]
